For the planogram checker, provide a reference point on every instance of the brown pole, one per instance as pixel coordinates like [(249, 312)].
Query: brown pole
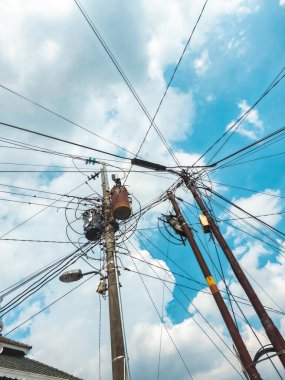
[(116, 332), (237, 339), (271, 330)]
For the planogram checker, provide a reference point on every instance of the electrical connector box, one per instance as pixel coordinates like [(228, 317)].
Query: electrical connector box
[(101, 288), (205, 224)]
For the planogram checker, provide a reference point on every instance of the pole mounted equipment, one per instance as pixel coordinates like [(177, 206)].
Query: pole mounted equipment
[(121, 205), (92, 224), (271, 330), (234, 332), (116, 330)]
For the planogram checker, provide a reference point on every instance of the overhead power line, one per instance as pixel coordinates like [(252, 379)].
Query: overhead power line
[(243, 117), (62, 140), (172, 77), (278, 232), (270, 135), (48, 306), (62, 117), (123, 75)]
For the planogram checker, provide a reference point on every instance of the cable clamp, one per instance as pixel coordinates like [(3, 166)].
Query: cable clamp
[(118, 357)]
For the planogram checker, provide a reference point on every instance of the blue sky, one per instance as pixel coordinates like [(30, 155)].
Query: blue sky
[(50, 55)]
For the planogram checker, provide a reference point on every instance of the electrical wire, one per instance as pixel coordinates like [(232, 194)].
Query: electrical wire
[(37, 213), (62, 117), (165, 327), (243, 117), (62, 140), (193, 318), (272, 136), (48, 306), (121, 72), (279, 233), (168, 85)]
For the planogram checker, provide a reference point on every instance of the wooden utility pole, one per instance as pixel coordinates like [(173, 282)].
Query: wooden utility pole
[(237, 339), (271, 330), (116, 331)]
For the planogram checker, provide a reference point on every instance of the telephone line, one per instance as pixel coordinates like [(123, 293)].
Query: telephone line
[(62, 140), (275, 81), (123, 75), (62, 117)]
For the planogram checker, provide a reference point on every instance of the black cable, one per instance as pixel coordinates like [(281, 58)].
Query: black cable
[(37, 204), (245, 319), (172, 77), (62, 117), (278, 247), (194, 319), (222, 276), (37, 241), (252, 160), (162, 312), (48, 276), (278, 232), (188, 277), (37, 213), (166, 329), (249, 190), (36, 148), (236, 160), (121, 72), (270, 135), (10, 289), (40, 191), (48, 306), (236, 125), (34, 196), (62, 140)]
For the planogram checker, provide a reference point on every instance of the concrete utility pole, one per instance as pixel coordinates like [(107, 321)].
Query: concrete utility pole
[(271, 330), (246, 360), (116, 331)]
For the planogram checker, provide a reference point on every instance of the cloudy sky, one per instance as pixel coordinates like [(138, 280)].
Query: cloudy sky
[(50, 55)]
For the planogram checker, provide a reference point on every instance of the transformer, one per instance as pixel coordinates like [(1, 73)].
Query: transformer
[(121, 206), (175, 224), (92, 224)]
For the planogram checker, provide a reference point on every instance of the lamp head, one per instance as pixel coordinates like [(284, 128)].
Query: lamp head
[(71, 275)]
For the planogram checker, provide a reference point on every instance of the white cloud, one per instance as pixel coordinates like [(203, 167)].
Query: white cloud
[(62, 66), (201, 65), (252, 127), (261, 204), (266, 207), (282, 3), (210, 98)]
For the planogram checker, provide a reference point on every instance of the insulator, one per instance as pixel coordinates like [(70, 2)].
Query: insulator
[(92, 224), (121, 207)]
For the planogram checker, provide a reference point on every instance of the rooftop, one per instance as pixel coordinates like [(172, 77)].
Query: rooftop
[(14, 365)]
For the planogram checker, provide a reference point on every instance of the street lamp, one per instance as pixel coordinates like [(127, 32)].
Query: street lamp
[(75, 275)]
